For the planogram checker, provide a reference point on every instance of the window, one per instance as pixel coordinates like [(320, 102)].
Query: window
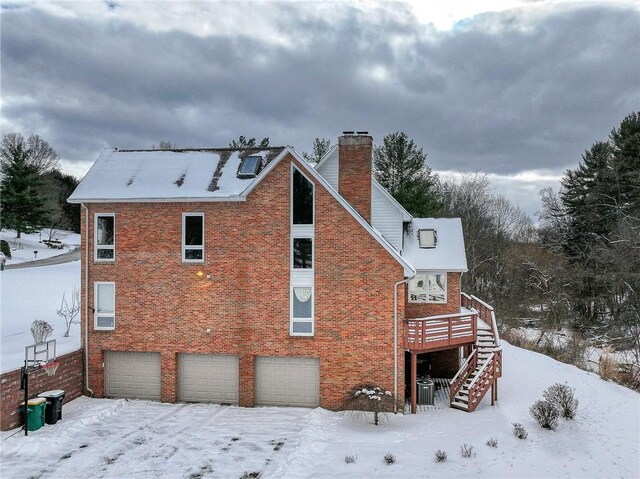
[(302, 311), (249, 167), (104, 244), (428, 288), (193, 237), (303, 253), (105, 306), (427, 238), (302, 198)]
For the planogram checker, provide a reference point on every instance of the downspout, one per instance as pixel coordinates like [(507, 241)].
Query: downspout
[(86, 299), (395, 339)]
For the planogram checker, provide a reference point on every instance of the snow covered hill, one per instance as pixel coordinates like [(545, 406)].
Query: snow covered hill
[(140, 439)]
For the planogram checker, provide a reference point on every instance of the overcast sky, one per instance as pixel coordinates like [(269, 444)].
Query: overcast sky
[(516, 89)]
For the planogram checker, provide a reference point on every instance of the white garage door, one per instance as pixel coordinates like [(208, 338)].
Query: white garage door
[(287, 381), (132, 375), (208, 378)]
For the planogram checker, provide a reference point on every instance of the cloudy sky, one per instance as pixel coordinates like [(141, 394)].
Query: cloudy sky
[(516, 89)]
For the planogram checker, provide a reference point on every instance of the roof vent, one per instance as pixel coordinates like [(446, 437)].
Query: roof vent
[(249, 167), (427, 238)]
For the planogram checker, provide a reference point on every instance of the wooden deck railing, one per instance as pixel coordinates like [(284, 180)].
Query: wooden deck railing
[(485, 312), (463, 373), (438, 332), (485, 380)]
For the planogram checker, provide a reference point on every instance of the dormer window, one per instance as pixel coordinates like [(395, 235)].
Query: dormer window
[(427, 238), (249, 167)]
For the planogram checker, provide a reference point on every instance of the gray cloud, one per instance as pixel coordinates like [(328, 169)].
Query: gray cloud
[(497, 93)]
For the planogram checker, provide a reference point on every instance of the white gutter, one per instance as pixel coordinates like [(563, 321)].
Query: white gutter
[(395, 339), (86, 298)]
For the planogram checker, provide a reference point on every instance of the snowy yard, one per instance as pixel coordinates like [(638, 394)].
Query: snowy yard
[(23, 249), (118, 438), (35, 293)]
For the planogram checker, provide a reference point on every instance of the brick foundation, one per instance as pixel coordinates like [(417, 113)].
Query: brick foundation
[(69, 378)]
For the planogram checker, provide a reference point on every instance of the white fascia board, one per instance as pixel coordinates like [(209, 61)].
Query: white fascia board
[(324, 158), (406, 216), (164, 199), (408, 269), (436, 270)]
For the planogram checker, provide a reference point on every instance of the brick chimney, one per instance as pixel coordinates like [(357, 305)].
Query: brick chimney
[(354, 170)]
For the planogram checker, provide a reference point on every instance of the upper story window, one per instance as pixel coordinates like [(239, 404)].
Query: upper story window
[(302, 199), (193, 237), (104, 313), (303, 253), (105, 243), (428, 288)]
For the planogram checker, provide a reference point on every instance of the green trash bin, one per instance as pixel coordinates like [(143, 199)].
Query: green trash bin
[(35, 413)]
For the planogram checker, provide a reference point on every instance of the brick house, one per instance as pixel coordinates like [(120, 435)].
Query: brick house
[(251, 277)]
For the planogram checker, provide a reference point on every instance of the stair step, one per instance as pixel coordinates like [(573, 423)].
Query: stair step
[(458, 405)]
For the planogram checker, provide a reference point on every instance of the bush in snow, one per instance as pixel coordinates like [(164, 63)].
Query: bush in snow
[(562, 397), (466, 450), (4, 247), (389, 459), (519, 431), (545, 413), (40, 330), (607, 365), (441, 456), (370, 398), (492, 442), (350, 459)]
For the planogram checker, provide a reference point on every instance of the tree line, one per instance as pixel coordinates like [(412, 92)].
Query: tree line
[(33, 190)]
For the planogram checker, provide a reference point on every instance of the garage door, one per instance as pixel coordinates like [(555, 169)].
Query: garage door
[(287, 381), (132, 375), (208, 378)]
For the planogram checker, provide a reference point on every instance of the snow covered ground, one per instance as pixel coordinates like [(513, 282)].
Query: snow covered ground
[(140, 439), (35, 293), (22, 249)]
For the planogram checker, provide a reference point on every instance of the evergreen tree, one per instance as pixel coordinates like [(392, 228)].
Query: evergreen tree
[(21, 207), (400, 167), (243, 143), (320, 148)]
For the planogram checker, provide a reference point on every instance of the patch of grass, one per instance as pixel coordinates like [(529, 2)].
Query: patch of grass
[(389, 459), (519, 431), (466, 451), (492, 442), (440, 456), (350, 459)]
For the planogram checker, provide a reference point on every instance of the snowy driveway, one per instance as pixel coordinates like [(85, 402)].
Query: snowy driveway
[(120, 438)]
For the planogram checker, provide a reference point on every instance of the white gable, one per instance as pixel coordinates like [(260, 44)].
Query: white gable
[(386, 217), (328, 167), (448, 254)]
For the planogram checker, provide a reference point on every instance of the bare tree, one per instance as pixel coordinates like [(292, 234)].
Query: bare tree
[(69, 310), (38, 152), (165, 145), (40, 330)]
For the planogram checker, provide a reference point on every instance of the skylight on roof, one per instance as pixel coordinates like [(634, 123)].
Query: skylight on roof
[(249, 167), (427, 238)]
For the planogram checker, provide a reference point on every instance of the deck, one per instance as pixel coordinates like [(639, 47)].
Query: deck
[(435, 333)]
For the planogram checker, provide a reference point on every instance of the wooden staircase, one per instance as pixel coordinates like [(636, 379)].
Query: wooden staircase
[(483, 367)]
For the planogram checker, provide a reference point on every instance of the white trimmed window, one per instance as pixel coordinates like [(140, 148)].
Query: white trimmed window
[(302, 255), (104, 312), (428, 288), (104, 237), (193, 237)]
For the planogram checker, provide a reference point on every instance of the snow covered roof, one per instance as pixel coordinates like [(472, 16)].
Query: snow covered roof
[(170, 175), (448, 254)]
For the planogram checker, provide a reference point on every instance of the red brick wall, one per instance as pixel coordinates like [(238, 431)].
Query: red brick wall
[(162, 305), (421, 310), (68, 378), (354, 172)]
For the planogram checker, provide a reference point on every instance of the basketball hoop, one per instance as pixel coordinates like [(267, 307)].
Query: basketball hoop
[(51, 367)]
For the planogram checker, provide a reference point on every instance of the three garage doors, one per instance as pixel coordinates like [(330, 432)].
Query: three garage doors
[(279, 381)]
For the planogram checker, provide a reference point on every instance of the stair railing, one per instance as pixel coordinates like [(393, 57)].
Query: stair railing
[(482, 382), (463, 373)]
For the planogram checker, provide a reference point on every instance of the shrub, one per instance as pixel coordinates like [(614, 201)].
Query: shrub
[(40, 330), (370, 398), (350, 459), (519, 431), (545, 413), (607, 366), (4, 247), (562, 397), (466, 450), (441, 456), (389, 459), (492, 442)]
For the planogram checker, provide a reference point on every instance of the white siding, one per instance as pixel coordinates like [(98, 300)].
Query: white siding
[(328, 167), (386, 217)]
